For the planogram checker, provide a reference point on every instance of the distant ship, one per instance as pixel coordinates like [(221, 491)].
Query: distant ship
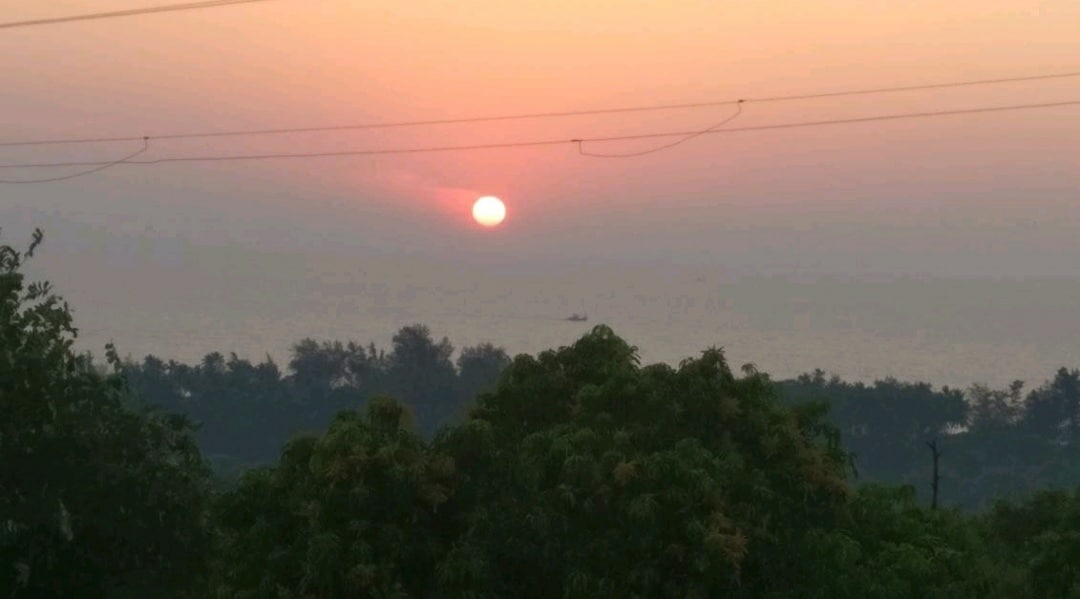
[(583, 317)]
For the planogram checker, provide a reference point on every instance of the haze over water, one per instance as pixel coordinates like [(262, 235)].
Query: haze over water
[(190, 300), (976, 216)]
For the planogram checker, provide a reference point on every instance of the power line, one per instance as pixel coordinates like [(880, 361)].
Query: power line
[(542, 115), (98, 169), (738, 111), (551, 142), (126, 13)]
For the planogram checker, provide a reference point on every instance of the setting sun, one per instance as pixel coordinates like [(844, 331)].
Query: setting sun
[(489, 211)]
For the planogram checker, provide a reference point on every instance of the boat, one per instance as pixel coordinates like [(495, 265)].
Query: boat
[(575, 317)]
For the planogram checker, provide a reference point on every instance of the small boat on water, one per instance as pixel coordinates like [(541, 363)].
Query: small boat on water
[(582, 317)]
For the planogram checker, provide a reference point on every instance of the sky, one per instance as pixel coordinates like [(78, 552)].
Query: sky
[(964, 196), (949, 182)]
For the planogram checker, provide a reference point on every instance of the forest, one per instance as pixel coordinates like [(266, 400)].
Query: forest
[(415, 471)]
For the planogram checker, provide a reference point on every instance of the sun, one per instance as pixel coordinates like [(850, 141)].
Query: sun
[(489, 211)]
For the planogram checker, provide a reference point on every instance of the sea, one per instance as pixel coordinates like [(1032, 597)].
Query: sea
[(945, 331)]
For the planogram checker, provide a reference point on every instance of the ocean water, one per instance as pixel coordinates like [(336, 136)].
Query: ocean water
[(945, 331)]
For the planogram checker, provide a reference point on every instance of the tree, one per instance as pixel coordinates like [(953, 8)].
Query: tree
[(1053, 410), (884, 425), (888, 546), (585, 474), (582, 473), (318, 369), (352, 513), (993, 409), (479, 368), (1038, 541), (422, 375), (96, 499)]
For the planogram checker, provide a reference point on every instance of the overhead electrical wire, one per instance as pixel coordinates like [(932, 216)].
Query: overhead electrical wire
[(581, 147), (97, 16), (550, 142), (103, 166), (540, 115)]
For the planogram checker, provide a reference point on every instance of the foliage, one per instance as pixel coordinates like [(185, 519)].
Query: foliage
[(351, 513), (606, 478), (1039, 542), (580, 474), (583, 473), (247, 411), (889, 546), (997, 443), (577, 472), (96, 499)]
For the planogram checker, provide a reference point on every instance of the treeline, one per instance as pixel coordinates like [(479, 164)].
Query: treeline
[(579, 473), (246, 412), (586, 474), (995, 442)]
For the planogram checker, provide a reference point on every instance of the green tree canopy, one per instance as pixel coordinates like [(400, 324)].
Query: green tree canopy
[(96, 499), (590, 475), (353, 513)]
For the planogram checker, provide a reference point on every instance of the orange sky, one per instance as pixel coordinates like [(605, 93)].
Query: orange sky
[(311, 62)]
